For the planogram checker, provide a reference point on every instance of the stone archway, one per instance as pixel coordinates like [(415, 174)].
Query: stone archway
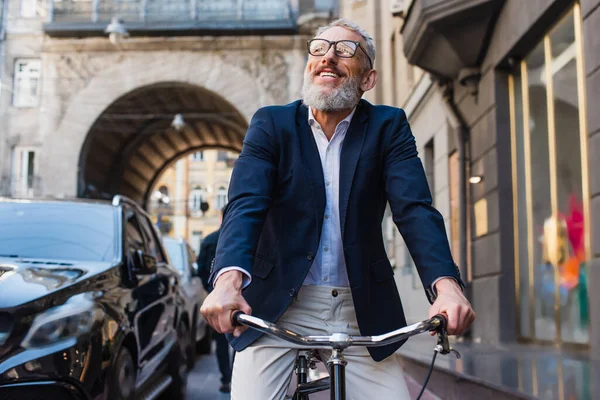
[(232, 87), (136, 138)]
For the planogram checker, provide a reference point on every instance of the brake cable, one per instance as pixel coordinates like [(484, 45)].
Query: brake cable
[(443, 347)]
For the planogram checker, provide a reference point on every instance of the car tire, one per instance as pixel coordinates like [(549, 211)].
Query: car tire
[(204, 346), (178, 366), (121, 382)]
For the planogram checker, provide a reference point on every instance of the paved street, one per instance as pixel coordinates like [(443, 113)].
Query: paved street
[(204, 381)]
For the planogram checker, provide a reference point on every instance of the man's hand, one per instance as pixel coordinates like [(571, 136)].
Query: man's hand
[(451, 302), (225, 298)]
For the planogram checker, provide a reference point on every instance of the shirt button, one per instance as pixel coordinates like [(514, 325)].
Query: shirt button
[(310, 256), (325, 279), (292, 292), (334, 293), (326, 249), (326, 216), (327, 183)]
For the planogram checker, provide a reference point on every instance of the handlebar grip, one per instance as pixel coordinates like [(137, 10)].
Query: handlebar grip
[(443, 321), (235, 318)]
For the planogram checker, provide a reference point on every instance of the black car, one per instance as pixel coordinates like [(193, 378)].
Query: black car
[(183, 259), (89, 306)]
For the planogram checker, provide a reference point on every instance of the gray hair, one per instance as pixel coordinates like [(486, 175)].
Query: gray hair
[(351, 26)]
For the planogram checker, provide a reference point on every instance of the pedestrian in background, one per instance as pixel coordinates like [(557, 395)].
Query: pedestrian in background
[(205, 258)]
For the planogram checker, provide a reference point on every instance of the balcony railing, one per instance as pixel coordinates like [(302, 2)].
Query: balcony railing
[(132, 11)]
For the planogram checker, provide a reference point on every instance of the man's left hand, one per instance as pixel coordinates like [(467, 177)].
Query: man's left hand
[(452, 302)]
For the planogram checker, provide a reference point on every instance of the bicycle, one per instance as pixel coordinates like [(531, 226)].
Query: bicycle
[(337, 343)]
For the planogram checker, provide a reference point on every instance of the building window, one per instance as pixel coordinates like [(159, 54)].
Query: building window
[(27, 83), (221, 198), (196, 241), (198, 156), (197, 196), (551, 218), (221, 155), (25, 181), (28, 8)]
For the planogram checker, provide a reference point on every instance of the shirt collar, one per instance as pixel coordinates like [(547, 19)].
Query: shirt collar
[(346, 121)]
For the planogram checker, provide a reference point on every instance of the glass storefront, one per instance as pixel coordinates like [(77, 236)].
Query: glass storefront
[(550, 181)]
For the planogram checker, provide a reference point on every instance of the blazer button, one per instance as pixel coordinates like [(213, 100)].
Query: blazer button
[(310, 256), (292, 292)]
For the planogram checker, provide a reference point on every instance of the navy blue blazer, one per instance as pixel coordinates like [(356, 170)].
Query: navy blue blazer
[(272, 223)]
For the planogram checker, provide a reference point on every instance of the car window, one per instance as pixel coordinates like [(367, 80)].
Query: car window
[(58, 230), (175, 251), (192, 259), (133, 233), (150, 234)]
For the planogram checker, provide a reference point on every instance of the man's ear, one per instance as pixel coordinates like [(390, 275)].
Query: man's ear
[(369, 80)]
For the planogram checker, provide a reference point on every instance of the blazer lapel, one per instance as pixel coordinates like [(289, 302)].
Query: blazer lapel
[(351, 148), (312, 162)]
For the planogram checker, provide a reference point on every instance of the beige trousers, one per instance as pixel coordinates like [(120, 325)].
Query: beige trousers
[(263, 370)]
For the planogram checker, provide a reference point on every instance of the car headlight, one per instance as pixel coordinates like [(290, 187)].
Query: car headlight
[(71, 320)]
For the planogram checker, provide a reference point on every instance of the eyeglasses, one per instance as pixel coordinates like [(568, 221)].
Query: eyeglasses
[(342, 48)]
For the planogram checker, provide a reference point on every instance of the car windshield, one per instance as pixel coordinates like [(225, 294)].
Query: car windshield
[(60, 231), (175, 251)]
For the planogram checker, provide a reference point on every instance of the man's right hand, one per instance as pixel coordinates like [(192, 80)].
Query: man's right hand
[(226, 297)]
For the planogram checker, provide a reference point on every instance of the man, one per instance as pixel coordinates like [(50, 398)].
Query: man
[(205, 258), (302, 232)]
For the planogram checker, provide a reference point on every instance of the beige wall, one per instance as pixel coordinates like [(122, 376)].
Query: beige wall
[(396, 78)]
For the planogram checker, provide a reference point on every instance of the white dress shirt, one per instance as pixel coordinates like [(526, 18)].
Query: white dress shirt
[(329, 266)]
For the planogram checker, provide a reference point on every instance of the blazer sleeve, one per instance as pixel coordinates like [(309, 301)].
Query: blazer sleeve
[(250, 195), (420, 224)]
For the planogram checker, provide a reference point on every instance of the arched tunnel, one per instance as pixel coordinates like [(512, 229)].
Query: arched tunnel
[(138, 136)]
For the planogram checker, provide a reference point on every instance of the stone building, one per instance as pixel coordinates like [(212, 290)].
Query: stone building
[(90, 88), (505, 121)]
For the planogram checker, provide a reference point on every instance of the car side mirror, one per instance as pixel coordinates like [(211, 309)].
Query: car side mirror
[(143, 263)]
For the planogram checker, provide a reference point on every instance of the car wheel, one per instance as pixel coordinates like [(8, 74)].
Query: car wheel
[(178, 366), (204, 345), (121, 383)]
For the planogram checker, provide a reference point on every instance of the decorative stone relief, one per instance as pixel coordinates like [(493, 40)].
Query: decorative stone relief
[(270, 69), (74, 71), (79, 68)]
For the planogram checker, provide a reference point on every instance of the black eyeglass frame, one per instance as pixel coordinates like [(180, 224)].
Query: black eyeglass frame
[(334, 44)]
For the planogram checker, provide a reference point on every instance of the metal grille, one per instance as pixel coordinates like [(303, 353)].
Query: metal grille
[(168, 10)]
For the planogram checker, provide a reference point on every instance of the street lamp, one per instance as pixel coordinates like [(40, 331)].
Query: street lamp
[(116, 31), (475, 179), (178, 122)]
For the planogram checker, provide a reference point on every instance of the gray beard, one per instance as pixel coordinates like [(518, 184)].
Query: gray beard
[(344, 97)]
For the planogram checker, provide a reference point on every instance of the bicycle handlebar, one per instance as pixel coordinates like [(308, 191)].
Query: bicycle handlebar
[(341, 341)]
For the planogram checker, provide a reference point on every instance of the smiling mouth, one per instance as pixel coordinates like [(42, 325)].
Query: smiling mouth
[(328, 74)]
